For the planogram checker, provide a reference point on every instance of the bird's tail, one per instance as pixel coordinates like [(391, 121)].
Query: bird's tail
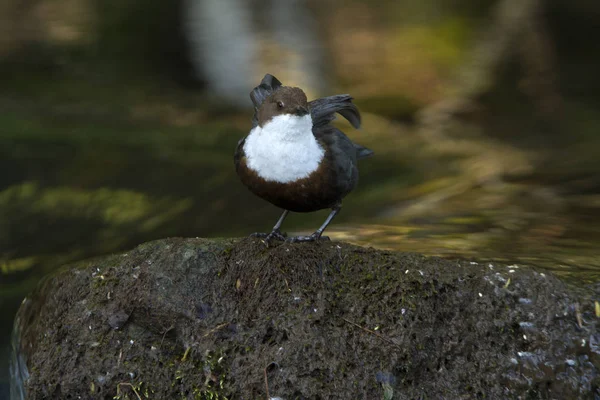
[(362, 152)]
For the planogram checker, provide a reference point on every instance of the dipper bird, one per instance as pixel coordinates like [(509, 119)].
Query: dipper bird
[(294, 158)]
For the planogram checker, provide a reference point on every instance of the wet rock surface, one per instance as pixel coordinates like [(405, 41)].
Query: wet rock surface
[(216, 319)]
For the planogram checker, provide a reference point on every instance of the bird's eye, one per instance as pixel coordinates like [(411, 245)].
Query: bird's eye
[(280, 104)]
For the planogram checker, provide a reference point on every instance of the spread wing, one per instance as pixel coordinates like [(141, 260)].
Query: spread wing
[(323, 110), (239, 154), (268, 85)]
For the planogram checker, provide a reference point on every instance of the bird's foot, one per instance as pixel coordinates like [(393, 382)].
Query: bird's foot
[(267, 237), (312, 238)]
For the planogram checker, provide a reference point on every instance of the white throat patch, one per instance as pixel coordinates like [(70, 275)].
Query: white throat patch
[(284, 150)]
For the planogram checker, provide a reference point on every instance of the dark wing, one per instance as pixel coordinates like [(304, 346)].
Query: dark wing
[(323, 110), (268, 85), (239, 153), (343, 157)]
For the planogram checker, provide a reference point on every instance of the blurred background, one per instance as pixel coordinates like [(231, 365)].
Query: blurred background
[(119, 119)]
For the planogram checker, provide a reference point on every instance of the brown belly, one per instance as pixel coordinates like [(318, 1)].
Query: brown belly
[(315, 192)]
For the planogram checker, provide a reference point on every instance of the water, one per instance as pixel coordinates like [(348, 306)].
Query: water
[(18, 370), (100, 151)]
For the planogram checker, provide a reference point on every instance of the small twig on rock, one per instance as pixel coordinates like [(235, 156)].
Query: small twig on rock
[(266, 382), (185, 354), (578, 316), (216, 328), (131, 386), (390, 341), (165, 334)]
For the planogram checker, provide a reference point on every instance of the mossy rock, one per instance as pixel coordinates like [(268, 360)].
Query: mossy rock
[(233, 319)]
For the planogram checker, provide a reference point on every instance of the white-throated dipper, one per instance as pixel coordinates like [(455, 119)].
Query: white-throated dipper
[(294, 158)]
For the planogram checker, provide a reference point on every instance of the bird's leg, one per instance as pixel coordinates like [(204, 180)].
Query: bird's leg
[(319, 232), (275, 233)]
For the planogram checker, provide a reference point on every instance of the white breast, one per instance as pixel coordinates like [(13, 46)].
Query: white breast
[(284, 150)]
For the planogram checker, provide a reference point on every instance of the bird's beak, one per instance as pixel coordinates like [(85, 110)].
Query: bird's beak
[(301, 111)]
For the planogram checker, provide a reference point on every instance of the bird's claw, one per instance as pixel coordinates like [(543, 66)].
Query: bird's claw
[(259, 235), (267, 237), (312, 238)]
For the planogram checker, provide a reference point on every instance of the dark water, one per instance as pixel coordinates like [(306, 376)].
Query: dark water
[(95, 159)]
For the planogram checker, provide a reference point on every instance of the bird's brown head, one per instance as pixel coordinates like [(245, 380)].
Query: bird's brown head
[(285, 100)]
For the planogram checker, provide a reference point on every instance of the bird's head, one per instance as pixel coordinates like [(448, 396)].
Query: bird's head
[(285, 101)]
